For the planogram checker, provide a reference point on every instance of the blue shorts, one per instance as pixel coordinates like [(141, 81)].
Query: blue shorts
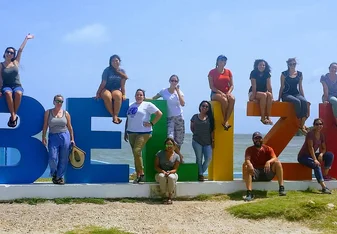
[(12, 90)]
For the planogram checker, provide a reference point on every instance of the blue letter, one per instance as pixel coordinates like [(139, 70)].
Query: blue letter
[(34, 155), (81, 110)]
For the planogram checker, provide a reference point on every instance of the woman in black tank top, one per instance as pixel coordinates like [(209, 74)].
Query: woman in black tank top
[(291, 90), (10, 80)]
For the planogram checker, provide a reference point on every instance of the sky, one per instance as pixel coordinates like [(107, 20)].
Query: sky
[(155, 39)]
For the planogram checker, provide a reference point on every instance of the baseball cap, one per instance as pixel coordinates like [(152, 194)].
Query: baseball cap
[(256, 134), (221, 57)]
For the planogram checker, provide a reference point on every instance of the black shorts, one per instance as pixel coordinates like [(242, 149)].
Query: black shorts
[(260, 175)]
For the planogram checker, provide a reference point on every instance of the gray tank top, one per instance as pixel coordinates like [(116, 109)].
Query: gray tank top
[(57, 125), (10, 76)]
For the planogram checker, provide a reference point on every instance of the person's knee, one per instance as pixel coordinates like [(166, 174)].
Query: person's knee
[(231, 98), (8, 94), (330, 155), (278, 164), (18, 94), (269, 95), (172, 177), (117, 96)]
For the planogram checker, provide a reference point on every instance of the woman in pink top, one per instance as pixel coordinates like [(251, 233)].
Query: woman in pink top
[(313, 153), (221, 85)]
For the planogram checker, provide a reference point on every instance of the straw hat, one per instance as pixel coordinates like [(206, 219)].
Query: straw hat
[(77, 157)]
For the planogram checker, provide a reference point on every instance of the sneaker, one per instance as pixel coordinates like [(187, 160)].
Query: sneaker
[(328, 178), (281, 191), (249, 196), (326, 191), (201, 178), (141, 179)]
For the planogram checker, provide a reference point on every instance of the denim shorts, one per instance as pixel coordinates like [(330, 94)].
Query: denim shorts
[(12, 90)]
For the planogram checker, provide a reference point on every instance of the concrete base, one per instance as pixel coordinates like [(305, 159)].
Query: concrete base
[(51, 191)]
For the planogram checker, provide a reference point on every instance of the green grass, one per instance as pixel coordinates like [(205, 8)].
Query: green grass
[(97, 230), (309, 207)]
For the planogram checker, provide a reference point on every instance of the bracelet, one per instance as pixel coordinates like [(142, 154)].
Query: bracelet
[(151, 123)]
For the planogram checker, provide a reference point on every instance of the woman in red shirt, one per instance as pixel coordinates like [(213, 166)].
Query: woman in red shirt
[(221, 84)]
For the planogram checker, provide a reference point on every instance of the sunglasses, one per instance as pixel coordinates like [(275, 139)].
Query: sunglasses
[(174, 81), (204, 106), (9, 52), (292, 64), (257, 138), (58, 101), (318, 124)]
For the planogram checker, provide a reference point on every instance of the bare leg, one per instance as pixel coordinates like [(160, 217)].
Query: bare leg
[(262, 99), (268, 107), (247, 177), (117, 103), (278, 170), (224, 104), (107, 98), (231, 102), (10, 104), (17, 101)]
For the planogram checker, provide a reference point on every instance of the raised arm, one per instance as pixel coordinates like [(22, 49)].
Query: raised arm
[(281, 87), (70, 127), (180, 96), (18, 56)]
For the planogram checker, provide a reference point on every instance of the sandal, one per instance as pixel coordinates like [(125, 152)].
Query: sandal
[(226, 126), (269, 121), (59, 181), (15, 122), (169, 201), (264, 121), (118, 121)]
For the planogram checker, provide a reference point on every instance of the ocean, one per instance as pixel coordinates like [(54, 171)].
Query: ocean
[(241, 142)]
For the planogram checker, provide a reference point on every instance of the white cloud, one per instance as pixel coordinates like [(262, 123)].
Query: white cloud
[(93, 34)]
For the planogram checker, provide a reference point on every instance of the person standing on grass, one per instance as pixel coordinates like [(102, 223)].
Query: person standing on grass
[(202, 127), (261, 164), (313, 154)]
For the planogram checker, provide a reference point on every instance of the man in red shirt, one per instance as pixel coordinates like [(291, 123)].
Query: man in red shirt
[(261, 164)]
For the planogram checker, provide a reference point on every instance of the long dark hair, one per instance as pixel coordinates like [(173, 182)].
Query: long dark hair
[(14, 55), (256, 66), (209, 114)]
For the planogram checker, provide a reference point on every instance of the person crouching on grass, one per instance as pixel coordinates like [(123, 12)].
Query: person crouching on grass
[(261, 164)]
